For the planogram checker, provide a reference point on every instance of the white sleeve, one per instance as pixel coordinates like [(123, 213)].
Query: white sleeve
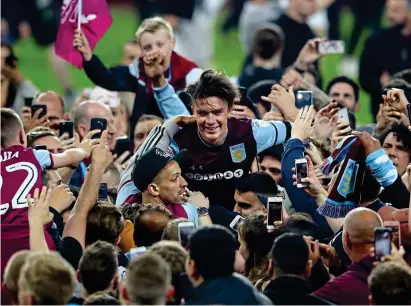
[(44, 158), (269, 133), (193, 75)]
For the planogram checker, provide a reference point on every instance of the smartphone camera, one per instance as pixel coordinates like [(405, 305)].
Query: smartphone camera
[(382, 241), (274, 211), (184, 231), (236, 222), (301, 170), (303, 98)]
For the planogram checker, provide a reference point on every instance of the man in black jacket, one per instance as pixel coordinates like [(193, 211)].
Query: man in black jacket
[(290, 266), (210, 269)]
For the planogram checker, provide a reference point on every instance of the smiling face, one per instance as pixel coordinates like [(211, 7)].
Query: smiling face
[(211, 115), (397, 152)]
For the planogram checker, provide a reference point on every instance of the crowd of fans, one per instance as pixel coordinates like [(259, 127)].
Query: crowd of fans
[(154, 187)]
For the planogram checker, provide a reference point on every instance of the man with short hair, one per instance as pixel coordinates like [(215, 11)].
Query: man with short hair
[(55, 106), (290, 266), (270, 162), (148, 281), (219, 149), (143, 127), (21, 170), (210, 268), (351, 287), (98, 269), (396, 142), (345, 92), (390, 284), (252, 193), (46, 279)]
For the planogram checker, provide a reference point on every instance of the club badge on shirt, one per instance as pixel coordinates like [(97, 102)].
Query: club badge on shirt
[(238, 153)]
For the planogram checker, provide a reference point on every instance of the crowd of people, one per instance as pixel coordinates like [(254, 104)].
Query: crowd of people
[(156, 187)]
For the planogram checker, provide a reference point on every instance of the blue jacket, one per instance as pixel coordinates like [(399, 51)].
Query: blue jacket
[(228, 290), (300, 200)]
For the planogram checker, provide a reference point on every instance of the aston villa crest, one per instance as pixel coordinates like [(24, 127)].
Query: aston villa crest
[(238, 153)]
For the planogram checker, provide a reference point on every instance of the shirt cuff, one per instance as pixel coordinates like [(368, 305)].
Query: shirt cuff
[(374, 155), (159, 90), (171, 127)]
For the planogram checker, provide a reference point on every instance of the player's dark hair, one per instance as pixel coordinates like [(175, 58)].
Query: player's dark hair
[(290, 254), (213, 84), (259, 183), (267, 41), (344, 79), (10, 125), (301, 224), (401, 133), (273, 151), (213, 248)]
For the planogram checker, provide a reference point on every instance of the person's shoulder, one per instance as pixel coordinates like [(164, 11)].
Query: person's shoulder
[(183, 61)]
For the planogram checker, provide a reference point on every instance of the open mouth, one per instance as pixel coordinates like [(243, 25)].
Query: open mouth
[(211, 129)]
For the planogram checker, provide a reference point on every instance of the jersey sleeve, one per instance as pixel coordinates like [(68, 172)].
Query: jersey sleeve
[(159, 137), (269, 133), (44, 158)]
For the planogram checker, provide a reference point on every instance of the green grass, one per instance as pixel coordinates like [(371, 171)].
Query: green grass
[(228, 55)]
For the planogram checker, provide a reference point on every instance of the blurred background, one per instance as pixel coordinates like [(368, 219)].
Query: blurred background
[(228, 53)]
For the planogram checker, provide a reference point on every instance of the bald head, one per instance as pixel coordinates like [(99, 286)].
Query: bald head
[(360, 224), (54, 103), (84, 111)]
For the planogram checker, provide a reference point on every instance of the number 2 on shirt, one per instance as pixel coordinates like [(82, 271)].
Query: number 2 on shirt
[(19, 200)]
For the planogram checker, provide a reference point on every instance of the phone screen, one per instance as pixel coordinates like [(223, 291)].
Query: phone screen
[(40, 147), (382, 240), (395, 232), (274, 210), (303, 98), (184, 231), (103, 192), (301, 170), (331, 47)]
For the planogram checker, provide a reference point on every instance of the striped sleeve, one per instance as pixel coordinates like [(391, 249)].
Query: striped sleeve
[(159, 137), (269, 133)]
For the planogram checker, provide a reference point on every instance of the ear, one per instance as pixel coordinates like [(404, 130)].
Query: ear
[(78, 276), (115, 282), (82, 130), (117, 242), (124, 293), (270, 269), (370, 300), (357, 107), (308, 268), (170, 293), (153, 189), (22, 138)]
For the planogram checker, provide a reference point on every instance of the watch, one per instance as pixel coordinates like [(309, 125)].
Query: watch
[(202, 211)]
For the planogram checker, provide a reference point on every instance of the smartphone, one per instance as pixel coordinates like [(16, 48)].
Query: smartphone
[(66, 127), (102, 192), (243, 96), (98, 124), (343, 115), (303, 98), (41, 147), (274, 211), (122, 145), (301, 170), (184, 231), (134, 252), (236, 222), (28, 101), (395, 232), (331, 47), (36, 107), (382, 241)]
